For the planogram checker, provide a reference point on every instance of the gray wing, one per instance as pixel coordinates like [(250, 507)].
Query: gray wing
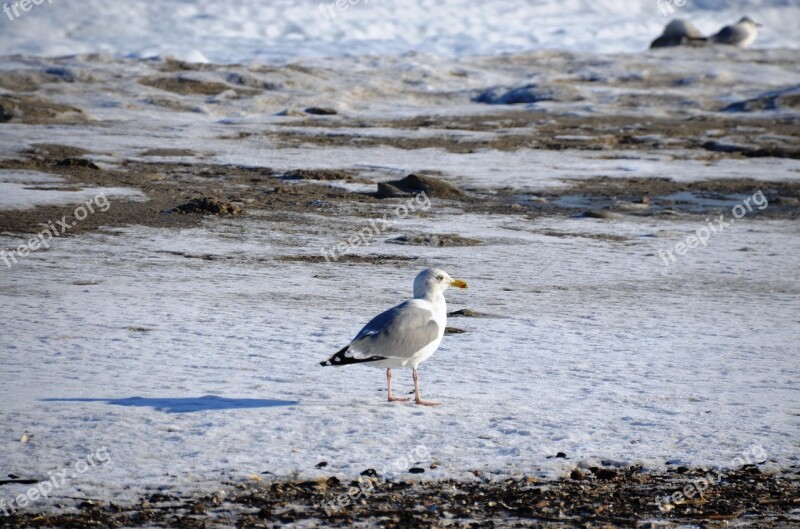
[(397, 333), (731, 35)]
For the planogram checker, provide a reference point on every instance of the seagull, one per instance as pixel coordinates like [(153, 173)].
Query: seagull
[(405, 335), (742, 34), (677, 33)]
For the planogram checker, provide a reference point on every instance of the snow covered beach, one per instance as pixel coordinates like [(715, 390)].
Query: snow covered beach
[(566, 187)]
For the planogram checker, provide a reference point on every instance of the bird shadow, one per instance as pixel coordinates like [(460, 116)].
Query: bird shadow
[(187, 404)]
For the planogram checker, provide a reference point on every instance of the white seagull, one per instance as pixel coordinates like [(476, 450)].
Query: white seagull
[(405, 335), (741, 34), (677, 33)]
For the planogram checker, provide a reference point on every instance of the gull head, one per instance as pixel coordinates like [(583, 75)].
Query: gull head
[(749, 22), (432, 281)]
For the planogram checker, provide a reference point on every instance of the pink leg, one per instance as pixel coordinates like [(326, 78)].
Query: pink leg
[(389, 382), (417, 398)]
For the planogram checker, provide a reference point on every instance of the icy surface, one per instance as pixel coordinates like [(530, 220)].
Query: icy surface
[(26, 189), (590, 347)]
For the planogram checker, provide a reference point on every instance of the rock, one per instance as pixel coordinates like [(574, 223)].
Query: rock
[(76, 162), (467, 313), (782, 99), (209, 206), (167, 152), (321, 464), (435, 240), (37, 111), (321, 111), (415, 184), (290, 113), (597, 214), (453, 330), (5, 114), (416, 470), (787, 201), (662, 234), (318, 174), (530, 93), (63, 74), (188, 86), (603, 473)]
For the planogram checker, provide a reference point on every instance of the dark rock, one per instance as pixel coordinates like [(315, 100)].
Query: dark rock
[(76, 162), (783, 99), (597, 214), (5, 114), (416, 470), (321, 464), (530, 93), (321, 111), (415, 184), (603, 473), (63, 74), (435, 240), (318, 174), (467, 313), (18, 481), (209, 206), (453, 330)]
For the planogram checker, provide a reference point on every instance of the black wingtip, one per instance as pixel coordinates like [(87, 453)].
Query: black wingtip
[(336, 357), (340, 359)]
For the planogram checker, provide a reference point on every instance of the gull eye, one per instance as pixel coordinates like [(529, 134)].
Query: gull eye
[(440, 278)]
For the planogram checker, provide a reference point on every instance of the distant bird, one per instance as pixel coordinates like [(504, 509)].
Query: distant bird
[(405, 335), (742, 34), (678, 32)]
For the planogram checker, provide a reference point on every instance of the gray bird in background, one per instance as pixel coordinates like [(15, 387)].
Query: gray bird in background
[(678, 32), (742, 34)]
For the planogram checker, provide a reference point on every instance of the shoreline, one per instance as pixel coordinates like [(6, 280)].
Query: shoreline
[(590, 497)]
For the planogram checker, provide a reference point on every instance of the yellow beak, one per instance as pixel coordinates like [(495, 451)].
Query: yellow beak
[(458, 283)]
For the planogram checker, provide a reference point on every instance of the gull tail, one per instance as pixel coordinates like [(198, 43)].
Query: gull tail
[(342, 359)]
